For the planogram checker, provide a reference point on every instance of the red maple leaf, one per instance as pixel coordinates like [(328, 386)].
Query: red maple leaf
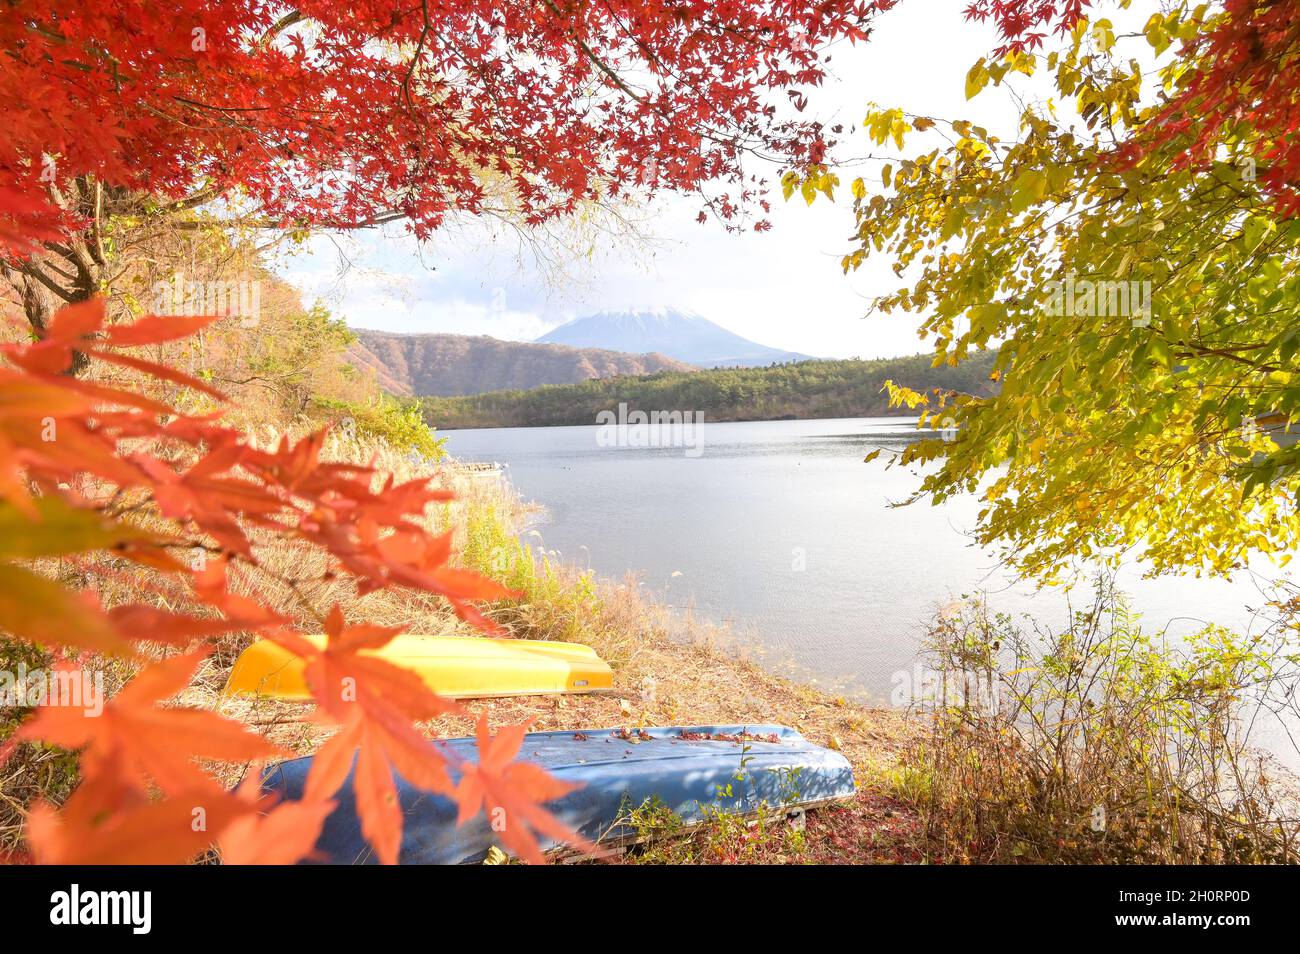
[(136, 741), (97, 825), (272, 834), (513, 793), (377, 704)]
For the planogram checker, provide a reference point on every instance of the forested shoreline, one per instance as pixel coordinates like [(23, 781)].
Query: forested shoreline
[(806, 389)]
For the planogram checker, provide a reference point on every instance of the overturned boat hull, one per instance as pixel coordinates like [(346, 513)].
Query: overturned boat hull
[(455, 666), (690, 770)]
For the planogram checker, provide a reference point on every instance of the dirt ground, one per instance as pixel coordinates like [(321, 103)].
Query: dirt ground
[(665, 682)]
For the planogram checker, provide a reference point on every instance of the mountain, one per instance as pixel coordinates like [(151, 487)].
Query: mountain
[(683, 335), (448, 365)]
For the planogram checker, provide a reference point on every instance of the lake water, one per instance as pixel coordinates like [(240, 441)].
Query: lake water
[(780, 530)]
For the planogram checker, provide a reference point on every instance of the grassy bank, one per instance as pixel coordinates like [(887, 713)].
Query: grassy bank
[(667, 669), (1092, 720)]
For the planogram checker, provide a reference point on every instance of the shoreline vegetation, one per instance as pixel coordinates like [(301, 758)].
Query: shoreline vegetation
[(668, 669), (957, 783), (801, 390), (1091, 745), (1151, 772)]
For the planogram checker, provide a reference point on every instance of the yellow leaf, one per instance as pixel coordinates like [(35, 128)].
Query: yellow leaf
[(61, 529), (36, 609), (976, 79)]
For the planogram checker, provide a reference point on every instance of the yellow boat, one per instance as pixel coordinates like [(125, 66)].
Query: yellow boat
[(455, 666)]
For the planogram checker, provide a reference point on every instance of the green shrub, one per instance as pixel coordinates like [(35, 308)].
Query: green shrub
[(399, 423), (556, 602)]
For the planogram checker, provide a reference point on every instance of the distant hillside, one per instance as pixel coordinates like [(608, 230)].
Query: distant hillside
[(430, 364), (810, 389), (683, 335)]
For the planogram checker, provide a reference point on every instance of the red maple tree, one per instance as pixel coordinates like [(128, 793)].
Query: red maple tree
[(351, 114), (1237, 84), (311, 115)]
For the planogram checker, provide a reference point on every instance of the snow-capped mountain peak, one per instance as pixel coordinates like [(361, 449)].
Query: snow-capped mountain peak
[(684, 335)]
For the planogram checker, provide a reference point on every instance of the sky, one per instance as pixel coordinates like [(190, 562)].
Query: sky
[(782, 288)]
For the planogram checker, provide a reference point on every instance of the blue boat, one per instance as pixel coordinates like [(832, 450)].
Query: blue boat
[(690, 770)]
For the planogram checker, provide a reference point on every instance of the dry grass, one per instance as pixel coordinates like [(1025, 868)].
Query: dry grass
[(663, 682), (1094, 743)]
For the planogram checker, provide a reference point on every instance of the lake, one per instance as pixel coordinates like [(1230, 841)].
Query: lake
[(778, 529)]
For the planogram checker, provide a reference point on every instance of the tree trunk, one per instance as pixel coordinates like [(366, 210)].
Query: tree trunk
[(40, 305)]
